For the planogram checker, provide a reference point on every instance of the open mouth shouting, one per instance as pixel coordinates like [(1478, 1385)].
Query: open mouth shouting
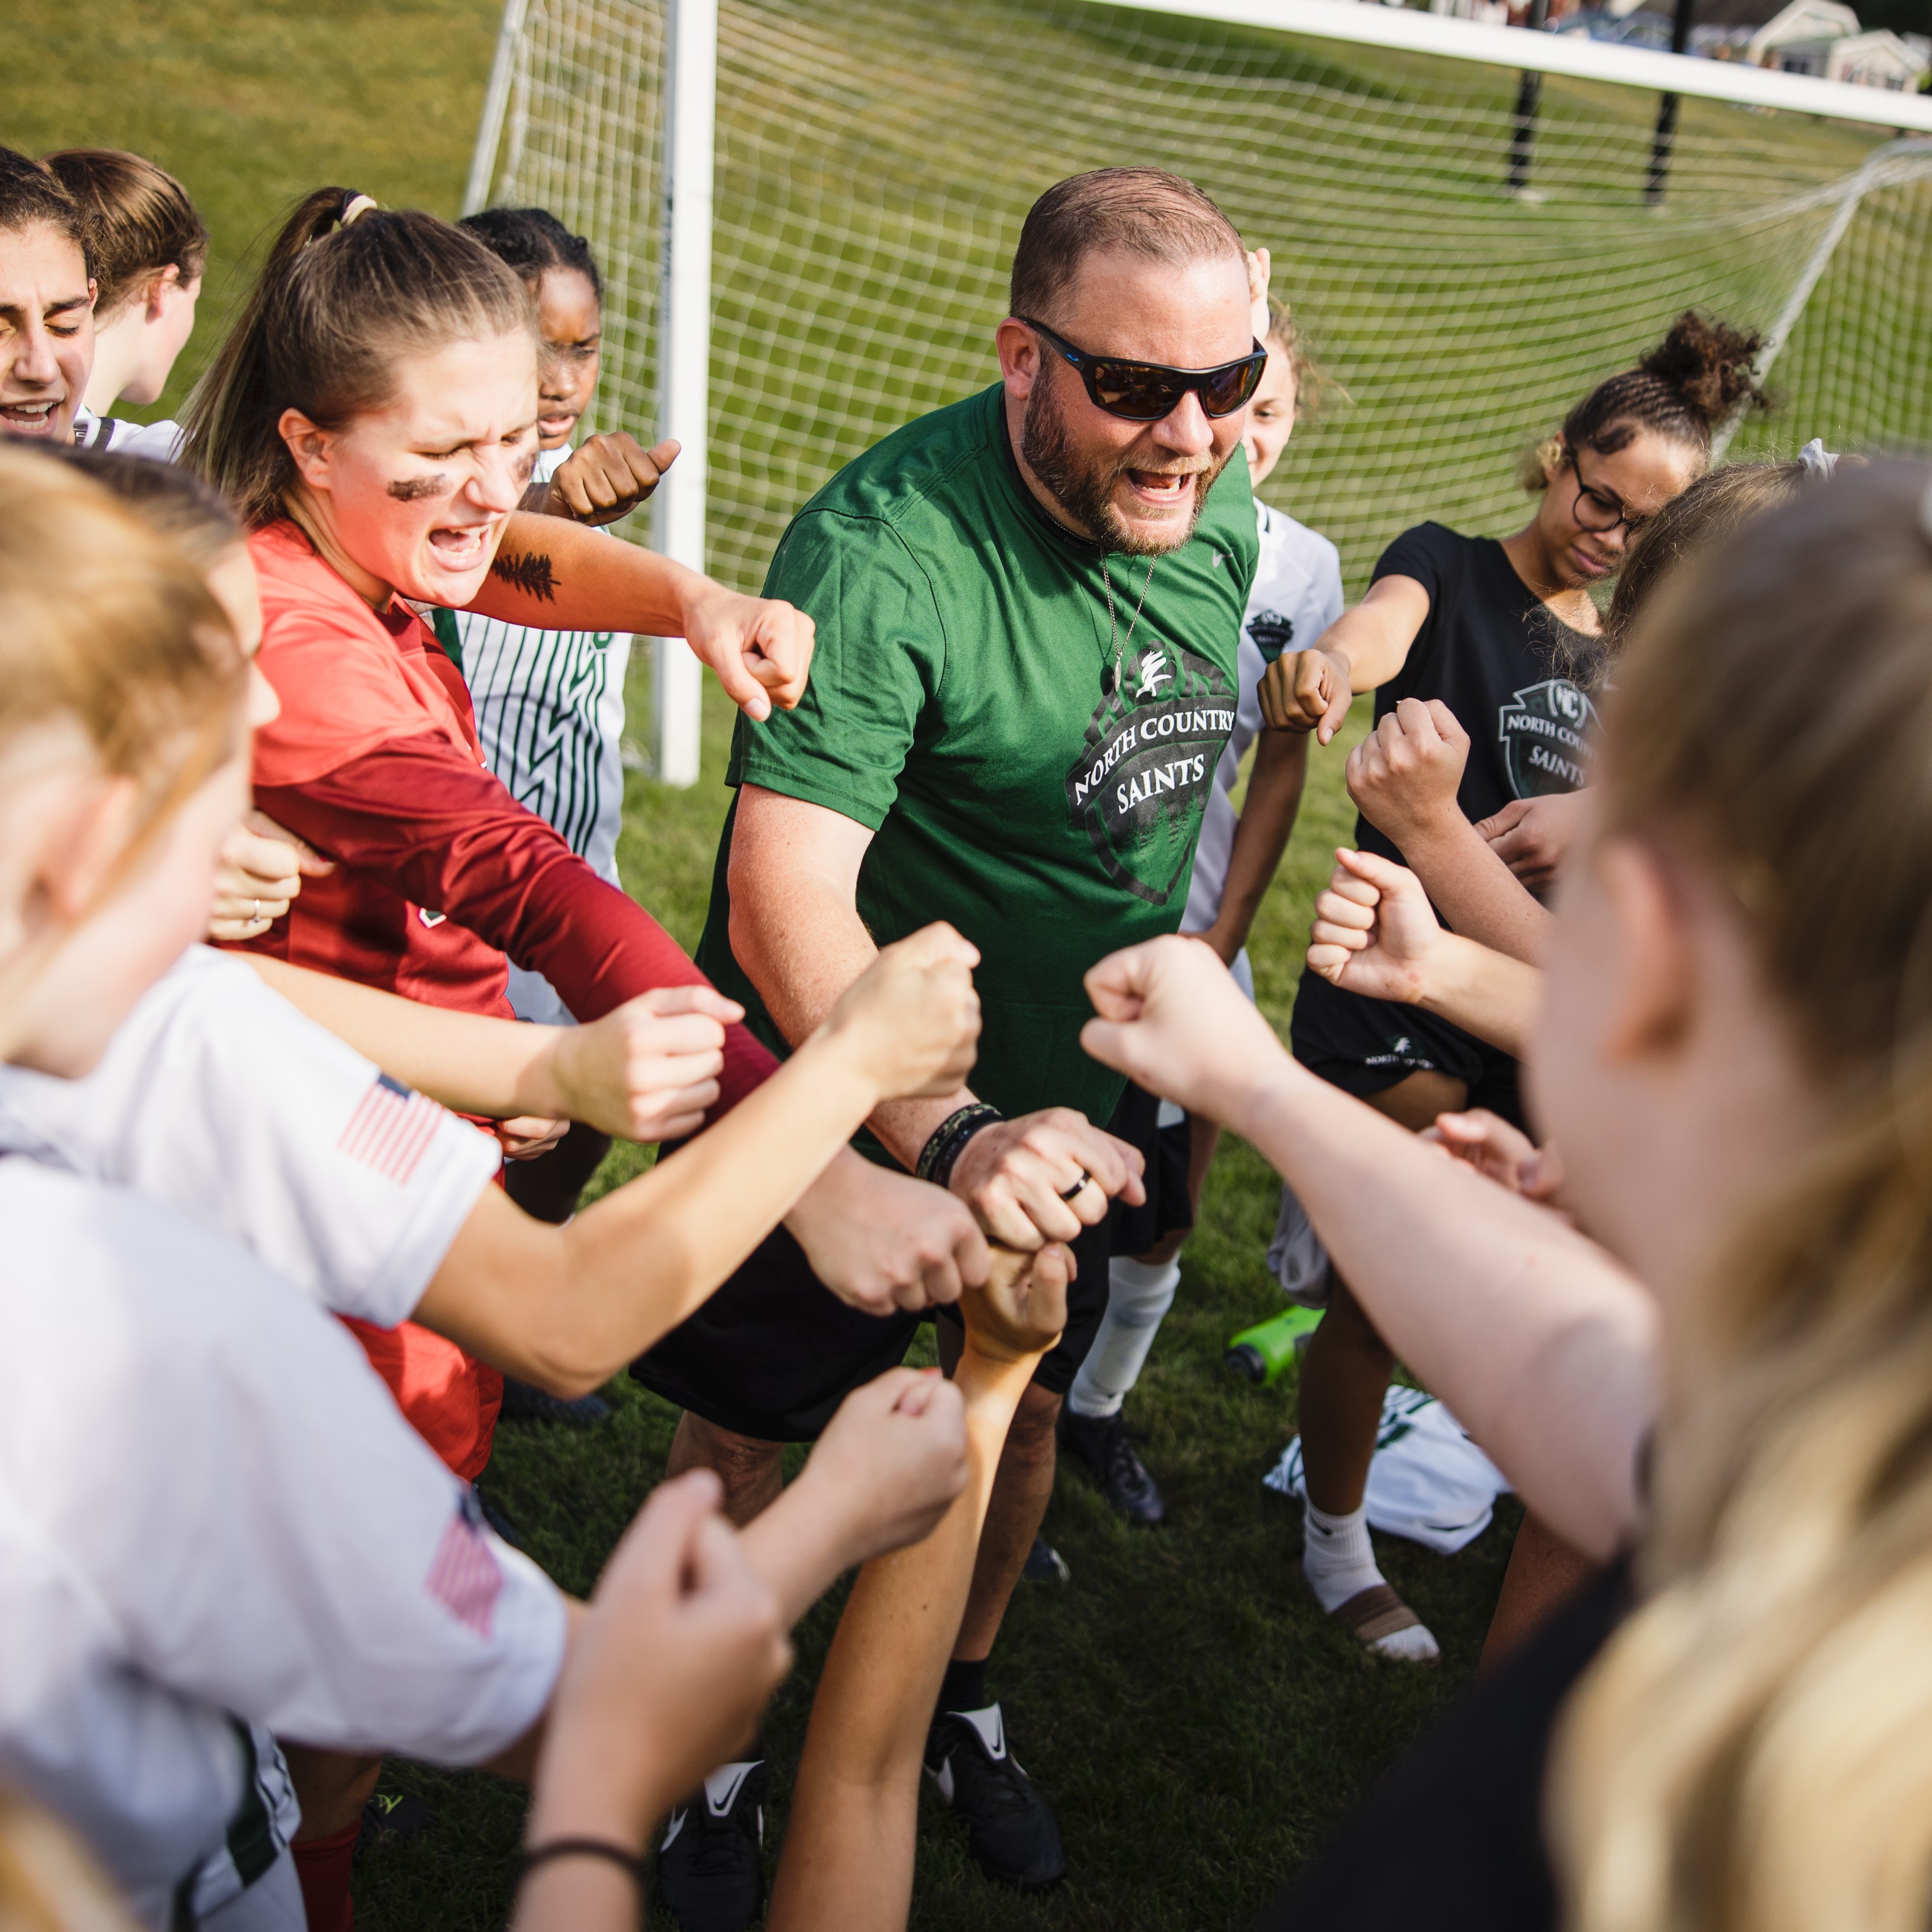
[(464, 546), (1161, 490)]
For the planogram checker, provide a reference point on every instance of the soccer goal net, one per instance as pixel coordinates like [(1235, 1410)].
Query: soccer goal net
[(875, 159)]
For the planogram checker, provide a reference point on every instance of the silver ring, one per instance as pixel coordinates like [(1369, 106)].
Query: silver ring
[(255, 917), (1086, 1181)]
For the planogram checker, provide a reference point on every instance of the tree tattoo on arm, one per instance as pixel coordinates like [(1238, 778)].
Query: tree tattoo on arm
[(529, 572)]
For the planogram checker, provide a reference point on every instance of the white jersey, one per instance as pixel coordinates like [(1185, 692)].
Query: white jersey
[(160, 442), (216, 1096), (215, 1525), (549, 713), (1297, 596)]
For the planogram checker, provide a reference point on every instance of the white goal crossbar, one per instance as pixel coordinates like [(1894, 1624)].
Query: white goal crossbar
[(1572, 54)]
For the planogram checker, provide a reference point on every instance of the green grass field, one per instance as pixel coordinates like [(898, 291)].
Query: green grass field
[(1195, 1722)]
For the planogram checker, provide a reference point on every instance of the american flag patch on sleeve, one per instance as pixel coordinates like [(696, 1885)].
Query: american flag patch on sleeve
[(391, 1129), (465, 1578)]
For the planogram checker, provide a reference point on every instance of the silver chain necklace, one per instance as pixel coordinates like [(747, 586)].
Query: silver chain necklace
[(1119, 643)]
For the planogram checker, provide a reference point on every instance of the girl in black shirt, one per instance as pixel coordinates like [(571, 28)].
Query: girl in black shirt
[(1735, 1056), (1490, 630)]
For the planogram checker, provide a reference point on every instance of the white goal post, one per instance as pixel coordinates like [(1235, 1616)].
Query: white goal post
[(804, 208)]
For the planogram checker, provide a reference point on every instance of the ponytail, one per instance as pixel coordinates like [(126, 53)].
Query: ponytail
[(349, 290)]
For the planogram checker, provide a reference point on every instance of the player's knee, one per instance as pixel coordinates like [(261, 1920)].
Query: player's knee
[(1345, 1325)]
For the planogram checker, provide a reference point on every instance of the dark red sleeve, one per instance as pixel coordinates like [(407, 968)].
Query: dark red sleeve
[(448, 836)]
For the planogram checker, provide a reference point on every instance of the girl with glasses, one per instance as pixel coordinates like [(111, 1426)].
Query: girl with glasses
[(1468, 642)]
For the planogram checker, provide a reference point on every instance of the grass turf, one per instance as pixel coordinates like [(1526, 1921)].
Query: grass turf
[(1195, 1722)]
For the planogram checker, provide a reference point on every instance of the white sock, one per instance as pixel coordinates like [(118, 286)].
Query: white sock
[(1339, 1562), (1138, 1296)]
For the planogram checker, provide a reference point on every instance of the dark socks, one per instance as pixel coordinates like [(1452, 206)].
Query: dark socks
[(964, 1688)]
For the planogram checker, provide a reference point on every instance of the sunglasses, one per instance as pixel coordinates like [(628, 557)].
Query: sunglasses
[(1146, 392)]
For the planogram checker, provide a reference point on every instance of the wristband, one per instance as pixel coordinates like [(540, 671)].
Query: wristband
[(580, 1848), (948, 1140)]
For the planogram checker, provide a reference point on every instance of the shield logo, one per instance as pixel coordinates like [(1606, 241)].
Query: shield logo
[(1545, 732), (1272, 633), (1147, 759)]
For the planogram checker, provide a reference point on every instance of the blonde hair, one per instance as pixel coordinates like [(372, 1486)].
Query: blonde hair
[(110, 624), (1752, 1751), (1313, 385)]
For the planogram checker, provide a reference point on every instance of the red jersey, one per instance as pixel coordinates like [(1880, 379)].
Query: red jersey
[(439, 873)]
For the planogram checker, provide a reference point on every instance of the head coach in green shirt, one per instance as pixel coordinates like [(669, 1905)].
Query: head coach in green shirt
[(1028, 606)]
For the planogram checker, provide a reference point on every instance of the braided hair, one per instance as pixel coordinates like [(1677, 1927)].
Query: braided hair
[(531, 241), (1694, 380)]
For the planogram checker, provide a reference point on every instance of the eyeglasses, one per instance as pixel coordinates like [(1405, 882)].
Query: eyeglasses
[(1146, 392), (1592, 504)]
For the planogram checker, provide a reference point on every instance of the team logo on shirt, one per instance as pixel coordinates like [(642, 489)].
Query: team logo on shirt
[(1148, 759), (1272, 633), (1545, 731)]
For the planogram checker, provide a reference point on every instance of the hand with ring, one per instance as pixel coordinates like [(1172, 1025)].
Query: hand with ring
[(1014, 1175)]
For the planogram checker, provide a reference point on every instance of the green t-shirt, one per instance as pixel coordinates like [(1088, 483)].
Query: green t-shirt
[(957, 708)]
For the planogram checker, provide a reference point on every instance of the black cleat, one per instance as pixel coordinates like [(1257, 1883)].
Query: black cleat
[(390, 1819), (1100, 1442), (1045, 1564), (522, 1403), (1010, 1831), (710, 1877)]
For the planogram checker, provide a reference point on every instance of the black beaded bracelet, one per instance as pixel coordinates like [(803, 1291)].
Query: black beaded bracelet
[(580, 1848), (948, 1141)]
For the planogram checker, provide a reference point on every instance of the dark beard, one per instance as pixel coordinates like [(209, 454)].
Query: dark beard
[(1083, 486)]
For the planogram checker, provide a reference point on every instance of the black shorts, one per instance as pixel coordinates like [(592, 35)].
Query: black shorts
[(774, 1352), (1364, 1046)]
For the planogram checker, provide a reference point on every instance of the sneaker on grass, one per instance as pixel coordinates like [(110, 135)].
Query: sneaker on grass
[(1101, 1443), (710, 1877), (1010, 1831), (1045, 1564)]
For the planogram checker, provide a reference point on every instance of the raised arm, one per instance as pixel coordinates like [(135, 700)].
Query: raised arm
[(1541, 1343), (1375, 934), (1310, 690), (566, 1307), (849, 1844), (551, 573), (1405, 775), (796, 930)]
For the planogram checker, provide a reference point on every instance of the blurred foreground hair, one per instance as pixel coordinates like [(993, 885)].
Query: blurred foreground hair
[(1752, 1752)]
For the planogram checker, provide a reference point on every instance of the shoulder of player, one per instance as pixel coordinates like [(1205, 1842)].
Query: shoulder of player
[(143, 1282), (1288, 545), (910, 472), (303, 599)]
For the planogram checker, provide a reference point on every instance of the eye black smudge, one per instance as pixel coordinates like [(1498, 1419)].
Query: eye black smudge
[(530, 573), (412, 489)]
